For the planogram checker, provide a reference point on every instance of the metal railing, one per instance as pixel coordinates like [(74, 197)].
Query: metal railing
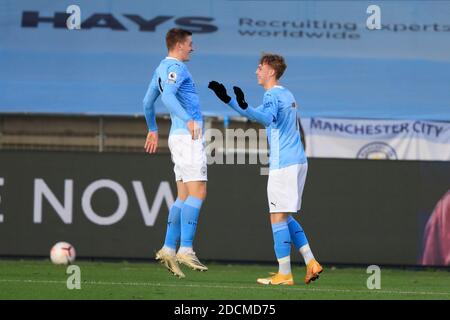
[(90, 133)]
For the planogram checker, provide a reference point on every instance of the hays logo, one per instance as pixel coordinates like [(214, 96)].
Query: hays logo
[(32, 19)]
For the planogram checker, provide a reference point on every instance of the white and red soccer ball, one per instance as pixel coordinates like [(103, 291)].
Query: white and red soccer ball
[(62, 253)]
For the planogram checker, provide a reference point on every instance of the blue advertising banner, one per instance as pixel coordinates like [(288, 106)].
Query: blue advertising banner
[(337, 67)]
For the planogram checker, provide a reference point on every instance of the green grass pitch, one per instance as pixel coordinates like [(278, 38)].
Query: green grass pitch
[(39, 279)]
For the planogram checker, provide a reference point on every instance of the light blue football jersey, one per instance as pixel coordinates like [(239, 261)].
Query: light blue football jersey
[(172, 76), (283, 133)]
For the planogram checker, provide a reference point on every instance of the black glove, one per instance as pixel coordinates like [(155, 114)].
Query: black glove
[(240, 98), (220, 91)]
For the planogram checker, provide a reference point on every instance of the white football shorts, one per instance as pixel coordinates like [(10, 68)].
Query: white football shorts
[(189, 158), (285, 188)]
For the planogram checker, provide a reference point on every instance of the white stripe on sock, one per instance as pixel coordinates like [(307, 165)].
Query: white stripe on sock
[(169, 250), (284, 265), (184, 250), (306, 253)]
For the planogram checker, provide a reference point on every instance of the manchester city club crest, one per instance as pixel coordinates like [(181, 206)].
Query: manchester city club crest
[(377, 151)]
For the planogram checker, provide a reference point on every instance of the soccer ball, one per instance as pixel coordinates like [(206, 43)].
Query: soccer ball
[(62, 253)]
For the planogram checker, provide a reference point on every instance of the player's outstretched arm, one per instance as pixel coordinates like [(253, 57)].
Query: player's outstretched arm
[(240, 98), (255, 114), (260, 115), (221, 92)]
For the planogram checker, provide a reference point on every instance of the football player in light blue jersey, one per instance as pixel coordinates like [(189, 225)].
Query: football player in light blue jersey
[(287, 165), (173, 82)]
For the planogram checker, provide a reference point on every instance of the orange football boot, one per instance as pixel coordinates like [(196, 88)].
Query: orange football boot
[(277, 279), (313, 269)]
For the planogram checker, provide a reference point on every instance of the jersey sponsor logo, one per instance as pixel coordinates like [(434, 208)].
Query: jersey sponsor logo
[(377, 151)]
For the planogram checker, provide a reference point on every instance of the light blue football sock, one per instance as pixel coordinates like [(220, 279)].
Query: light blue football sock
[(282, 246), (174, 225), (299, 238), (189, 216), (297, 234)]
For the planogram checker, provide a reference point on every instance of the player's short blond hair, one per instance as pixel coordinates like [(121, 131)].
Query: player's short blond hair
[(176, 35), (275, 61)]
